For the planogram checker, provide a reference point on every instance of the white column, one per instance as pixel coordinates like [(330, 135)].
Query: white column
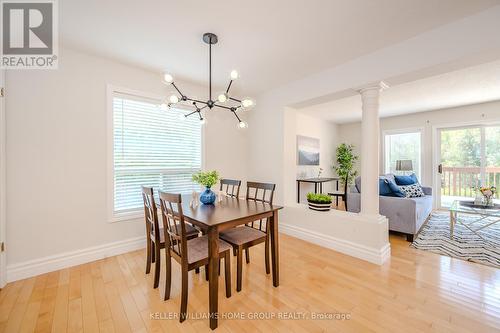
[(370, 140)]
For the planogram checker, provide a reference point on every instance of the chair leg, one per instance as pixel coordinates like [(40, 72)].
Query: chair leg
[(239, 268), (220, 260), (157, 267), (168, 277), (153, 252), (227, 273), (234, 251), (197, 270), (247, 255), (184, 295), (148, 257), (206, 272), (266, 254)]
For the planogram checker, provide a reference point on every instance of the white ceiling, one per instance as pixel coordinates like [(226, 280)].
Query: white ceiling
[(269, 42), (462, 87)]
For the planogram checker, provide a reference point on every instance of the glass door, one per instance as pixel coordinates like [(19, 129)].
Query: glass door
[(469, 158)]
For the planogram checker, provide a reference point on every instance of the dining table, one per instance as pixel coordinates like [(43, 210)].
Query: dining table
[(225, 213)]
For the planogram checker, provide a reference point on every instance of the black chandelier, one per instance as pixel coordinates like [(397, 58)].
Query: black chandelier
[(224, 100)]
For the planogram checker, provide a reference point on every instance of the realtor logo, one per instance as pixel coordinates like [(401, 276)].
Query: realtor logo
[(29, 34)]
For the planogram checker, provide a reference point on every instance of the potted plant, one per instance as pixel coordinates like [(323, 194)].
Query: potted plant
[(207, 179), (345, 163), (318, 201)]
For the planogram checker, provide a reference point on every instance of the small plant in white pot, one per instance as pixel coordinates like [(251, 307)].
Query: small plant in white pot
[(319, 202)]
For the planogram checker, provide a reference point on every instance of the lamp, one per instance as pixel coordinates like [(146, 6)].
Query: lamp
[(404, 165)]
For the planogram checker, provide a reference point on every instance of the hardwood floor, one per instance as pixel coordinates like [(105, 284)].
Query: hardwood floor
[(415, 292)]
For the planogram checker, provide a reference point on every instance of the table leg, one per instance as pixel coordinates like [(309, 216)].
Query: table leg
[(315, 187), (452, 223), (337, 190), (275, 248), (320, 187), (298, 192), (213, 276)]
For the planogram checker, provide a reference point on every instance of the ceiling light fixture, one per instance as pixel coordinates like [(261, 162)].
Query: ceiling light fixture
[(230, 103)]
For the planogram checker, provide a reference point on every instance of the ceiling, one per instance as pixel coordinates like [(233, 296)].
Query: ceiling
[(471, 85), (269, 42)]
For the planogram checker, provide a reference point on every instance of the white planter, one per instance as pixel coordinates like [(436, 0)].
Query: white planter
[(322, 207)]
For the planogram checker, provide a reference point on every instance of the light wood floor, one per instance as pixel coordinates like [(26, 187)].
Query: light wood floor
[(415, 292)]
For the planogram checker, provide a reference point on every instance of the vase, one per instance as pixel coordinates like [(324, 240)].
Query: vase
[(207, 197)]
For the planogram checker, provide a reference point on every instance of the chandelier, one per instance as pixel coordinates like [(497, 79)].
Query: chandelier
[(224, 100)]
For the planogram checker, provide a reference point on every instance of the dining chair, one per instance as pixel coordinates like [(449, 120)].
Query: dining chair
[(189, 253), (155, 239), (251, 234), (232, 187), (341, 194)]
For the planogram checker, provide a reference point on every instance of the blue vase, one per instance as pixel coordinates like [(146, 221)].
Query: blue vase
[(207, 197)]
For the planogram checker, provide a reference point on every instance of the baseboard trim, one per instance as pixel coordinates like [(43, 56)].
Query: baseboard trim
[(373, 255), (43, 265)]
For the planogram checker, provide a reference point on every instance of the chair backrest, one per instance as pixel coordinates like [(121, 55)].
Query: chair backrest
[(257, 192), (150, 213), (174, 226), (261, 192), (232, 187)]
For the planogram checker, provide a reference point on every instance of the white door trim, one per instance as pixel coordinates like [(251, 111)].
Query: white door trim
[(3, 178)]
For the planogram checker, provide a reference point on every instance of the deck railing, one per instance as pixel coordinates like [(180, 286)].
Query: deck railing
[(460, 181)]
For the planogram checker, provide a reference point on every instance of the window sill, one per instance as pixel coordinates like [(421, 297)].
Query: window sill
[(128, 216)]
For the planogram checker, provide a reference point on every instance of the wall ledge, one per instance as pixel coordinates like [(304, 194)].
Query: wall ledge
[(52, 263)]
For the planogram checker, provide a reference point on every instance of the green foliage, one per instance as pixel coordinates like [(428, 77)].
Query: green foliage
[(345, 163), (318, 198), (207, 179)]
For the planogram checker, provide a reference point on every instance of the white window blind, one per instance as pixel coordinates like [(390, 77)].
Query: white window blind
[(151, 147)]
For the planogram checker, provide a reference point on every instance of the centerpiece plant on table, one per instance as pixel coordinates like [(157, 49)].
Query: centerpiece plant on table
[(207, 179)]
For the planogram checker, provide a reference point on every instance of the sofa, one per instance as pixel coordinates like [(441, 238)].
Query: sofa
[(405, 215)]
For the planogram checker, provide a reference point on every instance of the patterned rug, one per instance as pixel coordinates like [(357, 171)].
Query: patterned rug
[(435, 237)]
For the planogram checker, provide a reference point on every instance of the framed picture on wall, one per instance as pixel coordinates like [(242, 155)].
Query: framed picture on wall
[(307, 150)]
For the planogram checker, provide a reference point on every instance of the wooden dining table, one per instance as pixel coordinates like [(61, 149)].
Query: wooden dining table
[(228, 213)]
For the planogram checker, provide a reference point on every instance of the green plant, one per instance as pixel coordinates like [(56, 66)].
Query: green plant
[(319, 198), (345, 163), (207, 179)]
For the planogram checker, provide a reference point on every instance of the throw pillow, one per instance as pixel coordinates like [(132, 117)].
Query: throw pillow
[(412, 191), (406, 180), (396, 191), (383, 188)]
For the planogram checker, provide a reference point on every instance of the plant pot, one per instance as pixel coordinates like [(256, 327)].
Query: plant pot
[(322, 207), (207, 197)]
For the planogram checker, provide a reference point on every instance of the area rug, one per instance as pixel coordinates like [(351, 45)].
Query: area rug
[(435, 237)]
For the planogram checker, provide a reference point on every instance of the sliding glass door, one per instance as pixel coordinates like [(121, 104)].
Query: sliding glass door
[(469, 157)]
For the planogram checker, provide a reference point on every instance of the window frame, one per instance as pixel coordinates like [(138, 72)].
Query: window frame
[(386, 133), (111, 90)]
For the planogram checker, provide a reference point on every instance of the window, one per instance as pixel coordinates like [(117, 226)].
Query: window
[(402, 146), (151, 147)]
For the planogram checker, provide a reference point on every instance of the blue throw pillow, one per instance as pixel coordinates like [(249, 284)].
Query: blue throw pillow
[(406, 180), (383, 188), (396, 191)]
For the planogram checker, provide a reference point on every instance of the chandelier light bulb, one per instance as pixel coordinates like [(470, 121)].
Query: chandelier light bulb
[(174, 99), (163, 106), (222, 98), (203, 121), (247, 103), (242, 125), (167, 78), (234, 74)]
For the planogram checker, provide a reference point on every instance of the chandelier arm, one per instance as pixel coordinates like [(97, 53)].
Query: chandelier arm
[(195, 100), (223, 107), (190, 113), (199, 114), (210, 70), (229, 86), (177, 89), (235, 99), (239, 120)]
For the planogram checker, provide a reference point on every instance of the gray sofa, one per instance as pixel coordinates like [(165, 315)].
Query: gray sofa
[(405, 215)]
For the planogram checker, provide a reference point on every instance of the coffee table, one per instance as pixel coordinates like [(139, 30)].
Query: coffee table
[(492, 213)]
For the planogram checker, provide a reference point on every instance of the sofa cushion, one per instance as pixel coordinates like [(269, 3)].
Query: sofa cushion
[(383, 188), (412, 191), (406, 180), (396, 191)]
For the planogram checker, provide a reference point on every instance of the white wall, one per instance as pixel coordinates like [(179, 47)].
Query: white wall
[(326, 132), (56, 154), (478, 113)]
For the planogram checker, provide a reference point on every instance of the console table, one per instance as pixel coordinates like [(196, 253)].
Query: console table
[(316, 182)]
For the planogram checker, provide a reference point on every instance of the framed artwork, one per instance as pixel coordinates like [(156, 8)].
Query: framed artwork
[(307, 150)]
